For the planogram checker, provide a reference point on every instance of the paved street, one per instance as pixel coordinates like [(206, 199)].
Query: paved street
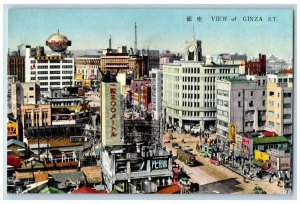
[(218, 179)]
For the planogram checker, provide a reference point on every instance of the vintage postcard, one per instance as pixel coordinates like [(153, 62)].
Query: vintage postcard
[(149, 100)]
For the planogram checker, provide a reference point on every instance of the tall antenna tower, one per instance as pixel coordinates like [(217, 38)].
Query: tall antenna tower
[(135, 39), (109, 42)]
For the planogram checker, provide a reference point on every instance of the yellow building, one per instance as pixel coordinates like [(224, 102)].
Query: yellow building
[(279, 104)]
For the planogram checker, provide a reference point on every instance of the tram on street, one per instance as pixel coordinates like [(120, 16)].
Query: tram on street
[(186, 157)]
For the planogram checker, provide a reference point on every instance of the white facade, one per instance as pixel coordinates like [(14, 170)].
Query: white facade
[(242, 102), (156, 76), (189, 94), (50, 73)]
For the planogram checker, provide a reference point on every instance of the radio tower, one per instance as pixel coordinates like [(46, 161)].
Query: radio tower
[(135, 39), (109, 42)]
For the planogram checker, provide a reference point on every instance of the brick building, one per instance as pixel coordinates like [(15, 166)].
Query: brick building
[(257, 67)]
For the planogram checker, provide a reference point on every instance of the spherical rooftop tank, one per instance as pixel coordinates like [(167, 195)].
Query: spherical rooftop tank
[(58, 42)]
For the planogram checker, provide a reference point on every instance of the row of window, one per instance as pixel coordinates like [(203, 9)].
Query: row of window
[(191, 70), (222, 92), (222, 103), (209, 71), (223, 113)]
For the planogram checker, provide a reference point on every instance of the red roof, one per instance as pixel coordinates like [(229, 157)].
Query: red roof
[(14, 161), (286, 71), (170, 189), (269, 134), (89, 190)]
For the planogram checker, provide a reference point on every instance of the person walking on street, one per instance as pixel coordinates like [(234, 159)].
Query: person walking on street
[(270, 179), (278, 183)]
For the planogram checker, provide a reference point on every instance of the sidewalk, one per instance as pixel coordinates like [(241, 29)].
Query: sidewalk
[(237, 168)]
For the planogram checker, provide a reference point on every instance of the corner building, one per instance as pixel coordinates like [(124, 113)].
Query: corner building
[(189, 88)]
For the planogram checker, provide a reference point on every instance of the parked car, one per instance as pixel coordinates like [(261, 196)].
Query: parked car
[(195, 129), (187, 148), (165, 140), (175, 145), (214, 161), (185, 181), (259, 190)]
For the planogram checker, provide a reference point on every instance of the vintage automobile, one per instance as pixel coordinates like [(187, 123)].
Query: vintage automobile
[(175, 145), (187, 148), (185, 181), (214, 161), (165, 140), (259, 190)]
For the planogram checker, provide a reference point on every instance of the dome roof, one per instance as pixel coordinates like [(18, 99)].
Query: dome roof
[(57, 37), (58, 42)]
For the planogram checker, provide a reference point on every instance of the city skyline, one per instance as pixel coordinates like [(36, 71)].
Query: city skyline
[(158, 29)]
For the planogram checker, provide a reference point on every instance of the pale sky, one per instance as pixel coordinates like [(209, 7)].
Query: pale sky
[(157, 28)]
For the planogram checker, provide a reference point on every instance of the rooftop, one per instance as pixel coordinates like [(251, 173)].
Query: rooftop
[(286, 71), (237, 80), (16, 142), (269, 140)]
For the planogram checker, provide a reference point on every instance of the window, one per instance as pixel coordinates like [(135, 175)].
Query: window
[(251, 93), (54, 77), (263, 102), (44, 83), (287, 116), (225, 103), (271, 93), (66, 83), (239, 104), (43, 78), (67, 77), (42, 72), (239, 94), (287, 95), (251, 103), (271, 123), (278, 95), (54, 83), (287, 105), (54, 72), (264, 93)]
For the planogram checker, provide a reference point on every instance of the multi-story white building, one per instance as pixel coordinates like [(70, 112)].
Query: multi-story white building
[(156, 76), (56, 70), (240, 102), (189, 94)]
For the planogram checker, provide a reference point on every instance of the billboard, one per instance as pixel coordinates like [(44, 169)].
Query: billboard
[(232, 132), (12, 129), (261, 156), (78, 76), (111, 113)]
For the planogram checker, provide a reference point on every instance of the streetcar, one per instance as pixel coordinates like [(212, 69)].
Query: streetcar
[(186, 157)]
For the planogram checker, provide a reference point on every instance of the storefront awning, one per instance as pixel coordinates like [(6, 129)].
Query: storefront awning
[(257, 163)]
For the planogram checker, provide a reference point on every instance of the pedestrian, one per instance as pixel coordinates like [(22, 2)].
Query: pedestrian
[(279, 182), (270, 179)]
